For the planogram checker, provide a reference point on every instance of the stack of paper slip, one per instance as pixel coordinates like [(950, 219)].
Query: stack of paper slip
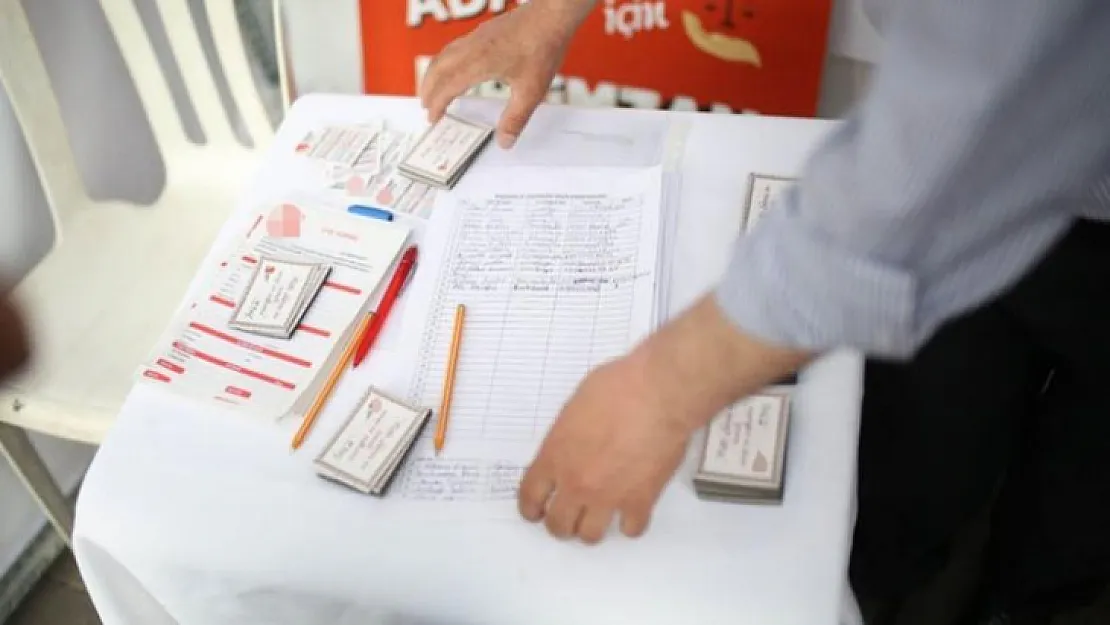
[(445, 151), (203, 356), (744, 458), (277, 296), (368, 169), (370, 447)]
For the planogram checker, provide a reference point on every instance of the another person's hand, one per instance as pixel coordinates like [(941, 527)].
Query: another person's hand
[(14, 345), (522, 48), (621, 437)]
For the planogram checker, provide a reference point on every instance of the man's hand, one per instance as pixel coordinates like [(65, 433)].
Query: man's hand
[(14, 346), (522, 48), (623, 434), (612, 450)]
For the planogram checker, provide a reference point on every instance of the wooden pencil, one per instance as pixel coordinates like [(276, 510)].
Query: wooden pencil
[(329, 385), (449, 379)]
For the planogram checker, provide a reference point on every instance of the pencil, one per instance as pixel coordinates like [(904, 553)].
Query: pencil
[(329, 385), (449, 379)]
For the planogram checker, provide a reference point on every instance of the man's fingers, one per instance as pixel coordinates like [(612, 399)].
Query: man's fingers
[(564, 514), (523, 101), (594, 524), (447, 79), (635, 516), (446, 86), (439, 68), (535, 490)]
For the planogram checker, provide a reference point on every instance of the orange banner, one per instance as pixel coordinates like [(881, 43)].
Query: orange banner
[(761, 56)]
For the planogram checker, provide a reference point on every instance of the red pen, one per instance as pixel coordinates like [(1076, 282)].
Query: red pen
[(392, 293)]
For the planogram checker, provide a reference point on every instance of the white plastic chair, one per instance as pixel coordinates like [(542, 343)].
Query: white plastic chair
[(100, 299)]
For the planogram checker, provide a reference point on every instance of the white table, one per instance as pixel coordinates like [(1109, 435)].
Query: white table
[(190, 516)]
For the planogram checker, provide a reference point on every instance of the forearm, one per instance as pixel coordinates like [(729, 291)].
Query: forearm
[(983, 133), (919, 207), (700, 363)]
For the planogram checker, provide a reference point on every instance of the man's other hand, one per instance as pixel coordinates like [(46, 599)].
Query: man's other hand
[(522, 48)]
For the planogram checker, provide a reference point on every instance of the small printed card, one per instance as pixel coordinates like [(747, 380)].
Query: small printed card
[(371, 445), (277, 297), (745, 451), (338, 145), (363, 161), (762, 189), (441, 156)]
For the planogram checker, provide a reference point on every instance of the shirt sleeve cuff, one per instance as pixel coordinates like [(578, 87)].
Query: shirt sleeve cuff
[(794, 288)]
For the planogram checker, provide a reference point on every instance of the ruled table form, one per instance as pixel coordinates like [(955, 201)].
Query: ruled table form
[(557, 269)]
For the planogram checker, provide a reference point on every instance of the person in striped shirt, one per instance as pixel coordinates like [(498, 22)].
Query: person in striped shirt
[(954, 229)]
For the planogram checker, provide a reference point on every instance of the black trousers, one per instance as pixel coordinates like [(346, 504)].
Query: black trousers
[(1011, 400)]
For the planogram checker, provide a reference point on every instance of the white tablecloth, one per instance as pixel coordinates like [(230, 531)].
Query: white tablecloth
[(193, 516)]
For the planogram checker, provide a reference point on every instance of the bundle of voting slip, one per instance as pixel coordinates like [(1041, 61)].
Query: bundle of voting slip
[(299, 264), (367, 451), (445, 151), (744, 458), (390, 168), (277, 296)]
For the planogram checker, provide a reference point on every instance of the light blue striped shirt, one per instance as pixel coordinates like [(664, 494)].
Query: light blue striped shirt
[(984, 135)]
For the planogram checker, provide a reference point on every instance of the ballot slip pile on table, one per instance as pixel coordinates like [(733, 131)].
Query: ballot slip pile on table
[(277, 297), (367, 173), (203, 357), (372, 443), (744, 458), (444, 152)]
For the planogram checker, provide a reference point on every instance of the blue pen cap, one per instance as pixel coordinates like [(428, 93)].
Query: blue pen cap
[(370, 211)]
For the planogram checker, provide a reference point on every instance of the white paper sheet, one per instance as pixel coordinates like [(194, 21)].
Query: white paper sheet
[(568, 136), (555, 282)]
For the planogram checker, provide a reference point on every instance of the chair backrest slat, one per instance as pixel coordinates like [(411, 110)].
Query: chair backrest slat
[(187, 52), (281, 51), (233, 58), (150, 81), (185, 44), (25, 79), (24, 76)]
